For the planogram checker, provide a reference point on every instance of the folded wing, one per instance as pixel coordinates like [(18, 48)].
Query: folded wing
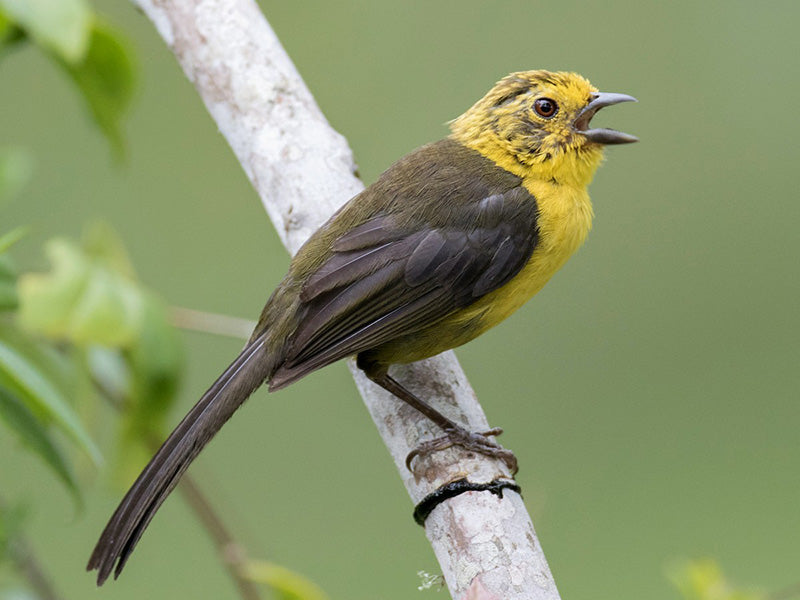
[(386, 277)]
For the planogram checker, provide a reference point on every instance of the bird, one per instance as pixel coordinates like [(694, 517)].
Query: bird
[(446, 243)]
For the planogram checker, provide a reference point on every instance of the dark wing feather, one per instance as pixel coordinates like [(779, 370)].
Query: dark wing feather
[(384, 280), (428, 254), (347, 267), (371, 233)]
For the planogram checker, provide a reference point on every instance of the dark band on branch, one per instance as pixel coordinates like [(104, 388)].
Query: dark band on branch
[(456, 488)]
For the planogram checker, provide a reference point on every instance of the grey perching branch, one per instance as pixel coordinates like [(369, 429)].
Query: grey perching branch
[(303, 171)]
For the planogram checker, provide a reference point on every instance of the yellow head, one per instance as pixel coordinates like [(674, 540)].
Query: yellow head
[(536, 124)]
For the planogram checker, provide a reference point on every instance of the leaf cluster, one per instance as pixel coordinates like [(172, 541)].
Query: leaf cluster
[(89, 51), (86, 321)]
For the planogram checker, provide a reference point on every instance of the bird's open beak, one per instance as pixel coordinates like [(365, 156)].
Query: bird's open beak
[(600, 135)]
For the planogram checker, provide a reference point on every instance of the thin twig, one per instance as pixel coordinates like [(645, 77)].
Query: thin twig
[(206, 322), (23, 557), (232, 553)]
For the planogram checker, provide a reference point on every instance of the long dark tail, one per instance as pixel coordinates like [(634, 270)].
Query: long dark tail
[(161, 475)]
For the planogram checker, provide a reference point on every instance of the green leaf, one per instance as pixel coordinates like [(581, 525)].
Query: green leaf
[(42, 398), (93, 54), (16, 168), (34, 434), (10, 34), (62, 26), (105, 76), (83, 299), (284, 583)]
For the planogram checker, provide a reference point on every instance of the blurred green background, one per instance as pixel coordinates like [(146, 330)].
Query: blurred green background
[(650, 391)]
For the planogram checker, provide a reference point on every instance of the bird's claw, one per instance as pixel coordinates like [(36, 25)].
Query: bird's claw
[(476, 441)]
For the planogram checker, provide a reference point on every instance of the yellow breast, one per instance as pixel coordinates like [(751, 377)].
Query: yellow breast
[(565, 217)]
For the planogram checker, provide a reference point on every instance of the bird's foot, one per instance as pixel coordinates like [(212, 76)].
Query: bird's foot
[(476, 441)]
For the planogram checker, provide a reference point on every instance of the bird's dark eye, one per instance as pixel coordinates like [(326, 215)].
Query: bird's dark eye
[(545, 107)]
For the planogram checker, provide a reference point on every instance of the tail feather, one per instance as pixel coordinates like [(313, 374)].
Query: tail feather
[(250, 369)]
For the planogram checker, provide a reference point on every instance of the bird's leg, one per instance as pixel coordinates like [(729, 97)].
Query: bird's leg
[(455, 434)]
